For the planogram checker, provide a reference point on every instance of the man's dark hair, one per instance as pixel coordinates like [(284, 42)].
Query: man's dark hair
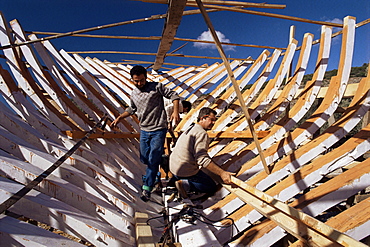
[(138, 70), (205, 111), (186, 104)]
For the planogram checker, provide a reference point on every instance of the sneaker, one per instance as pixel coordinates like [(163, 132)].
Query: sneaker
[(180, 188), (145, 195)]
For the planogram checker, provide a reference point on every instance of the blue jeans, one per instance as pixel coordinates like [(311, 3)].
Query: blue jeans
[(201, 182), (151, 150)]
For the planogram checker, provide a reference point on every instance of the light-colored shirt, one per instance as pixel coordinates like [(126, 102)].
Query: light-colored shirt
[(148, 105), (190, 153)]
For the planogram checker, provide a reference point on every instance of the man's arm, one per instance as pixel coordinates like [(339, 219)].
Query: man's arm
[(224, 175), (119, 119), (175, 114)]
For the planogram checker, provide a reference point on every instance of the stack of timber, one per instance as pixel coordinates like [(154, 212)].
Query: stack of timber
[(313, 195)]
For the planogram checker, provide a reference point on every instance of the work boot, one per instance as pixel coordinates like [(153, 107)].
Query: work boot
[(145, 195), (180, 188)]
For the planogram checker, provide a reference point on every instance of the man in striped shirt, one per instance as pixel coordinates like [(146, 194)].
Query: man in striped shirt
[(147, 104)]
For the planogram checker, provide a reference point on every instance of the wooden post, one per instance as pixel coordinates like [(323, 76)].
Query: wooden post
[(235, 84), (144, 236), (291, 38)]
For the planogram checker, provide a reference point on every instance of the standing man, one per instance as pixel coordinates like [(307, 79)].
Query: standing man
[(147, 102), (190, 156)]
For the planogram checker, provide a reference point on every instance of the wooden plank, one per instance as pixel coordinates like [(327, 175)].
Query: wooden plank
[(182, 77), (265, 97), (350, 92), (168, 77), (144, 235), (97, 185), (214, 81), (14, 232), (151, 54), (23, 78), (73, 195), (100, 27), (233, 110), (91, 86), (211, 134), (348, 121), (90, 67), (233, 3), (17, 101), (153, 38), (230, 95), (92, 78), (301, 156), (324, 196), (277, 108), (233, 80), (120, 80), (110, 81), (290, 88), (319, 117), (353, 221), (116, 166), (306, 228), (56, 214), (186, 86), (174, 16), (47, 81), (271, 15), (302, 179)]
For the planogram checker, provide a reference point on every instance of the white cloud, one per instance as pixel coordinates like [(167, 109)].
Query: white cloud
[(338, 21), (336, 39), (207, 36)]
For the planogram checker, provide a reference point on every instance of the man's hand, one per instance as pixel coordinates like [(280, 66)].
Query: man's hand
[(226, 177), (115, 122), (175, 117), (118, 119)]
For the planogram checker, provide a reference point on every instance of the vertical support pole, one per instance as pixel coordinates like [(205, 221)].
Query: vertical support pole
[(235, 84), (291, 38)]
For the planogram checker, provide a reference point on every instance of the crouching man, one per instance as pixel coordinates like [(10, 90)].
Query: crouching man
[(190, 156)]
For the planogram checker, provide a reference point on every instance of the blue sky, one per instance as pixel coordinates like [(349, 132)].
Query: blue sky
[(66, 16)]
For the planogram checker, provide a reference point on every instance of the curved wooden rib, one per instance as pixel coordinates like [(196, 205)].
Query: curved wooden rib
[(228, 96), (260, 102), (290, 88), (182, 88), (21, 74), (309, 150), (300, 108), (331, 102)]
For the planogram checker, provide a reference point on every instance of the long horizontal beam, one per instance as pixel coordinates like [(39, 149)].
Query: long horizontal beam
[(212, 134), (153, 54), (151, 18), (155, 38), (270, 15), (233, 3)]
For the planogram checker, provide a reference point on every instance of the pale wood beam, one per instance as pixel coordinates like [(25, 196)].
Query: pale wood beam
[(155, 38), (173, 19), (300, 225), (232, 3), (235, 84), (151, 18), (153, 54), (235, 9)]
